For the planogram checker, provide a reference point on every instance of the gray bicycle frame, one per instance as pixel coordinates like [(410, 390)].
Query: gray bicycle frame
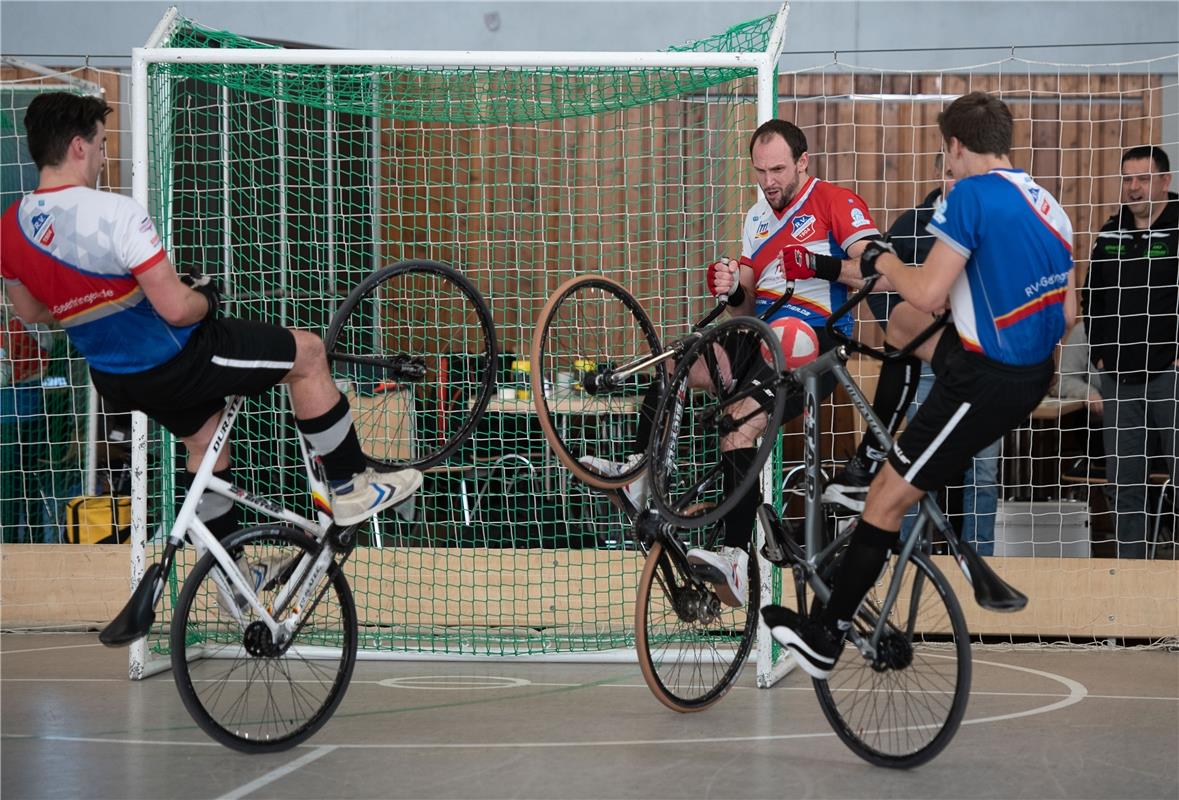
[(835, 362)]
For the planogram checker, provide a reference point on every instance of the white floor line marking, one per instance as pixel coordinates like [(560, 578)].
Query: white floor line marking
[(43, 649), (275, 774), (1076, 693)]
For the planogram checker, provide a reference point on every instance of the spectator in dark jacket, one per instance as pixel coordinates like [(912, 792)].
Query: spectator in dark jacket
[(1131, 306)]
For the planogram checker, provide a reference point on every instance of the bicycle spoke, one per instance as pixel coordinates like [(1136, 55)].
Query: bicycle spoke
[(902, 705)]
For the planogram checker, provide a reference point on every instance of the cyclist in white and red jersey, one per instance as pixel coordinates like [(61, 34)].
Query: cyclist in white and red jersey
[(804, 230), (1003, 264), (93, 262)]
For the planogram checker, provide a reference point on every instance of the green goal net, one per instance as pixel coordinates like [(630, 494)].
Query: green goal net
[(294, 182)]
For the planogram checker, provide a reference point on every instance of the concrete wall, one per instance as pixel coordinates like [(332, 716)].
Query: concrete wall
[(113, 28)]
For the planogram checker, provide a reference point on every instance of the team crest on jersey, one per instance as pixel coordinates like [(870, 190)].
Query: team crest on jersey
[(858, 220), (802, 226), (763, 230), (43, 228)]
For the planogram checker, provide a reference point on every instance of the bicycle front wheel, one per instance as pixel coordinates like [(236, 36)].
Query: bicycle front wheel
[(239, 687), (902, 707), (589, 330), (741, 361), (691, 647), (414, 344)]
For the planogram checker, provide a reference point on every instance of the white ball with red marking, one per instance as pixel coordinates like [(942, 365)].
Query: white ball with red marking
[(800, 345)]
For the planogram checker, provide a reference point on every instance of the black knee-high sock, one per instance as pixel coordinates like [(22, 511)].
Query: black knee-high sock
[(866, 553), (220, 514), (333, 437), (647, 415), (735, 465), (895, 390)]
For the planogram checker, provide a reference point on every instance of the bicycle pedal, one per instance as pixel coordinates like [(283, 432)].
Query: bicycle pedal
[(708, 573), (774, 555)]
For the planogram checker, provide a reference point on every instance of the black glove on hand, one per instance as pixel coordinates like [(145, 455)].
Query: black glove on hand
[(208, 286), (872, 252)]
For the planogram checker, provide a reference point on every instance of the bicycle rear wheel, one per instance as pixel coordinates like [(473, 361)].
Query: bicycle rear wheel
[(240, 689), (742, 358), (414, 343), (902, 708), (588, 329), (691, 647)]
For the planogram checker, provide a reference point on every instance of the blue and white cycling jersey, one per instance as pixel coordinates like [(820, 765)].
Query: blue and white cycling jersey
[(1007, 303)]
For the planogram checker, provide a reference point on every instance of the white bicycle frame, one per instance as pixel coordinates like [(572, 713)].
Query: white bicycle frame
[(189, 526)]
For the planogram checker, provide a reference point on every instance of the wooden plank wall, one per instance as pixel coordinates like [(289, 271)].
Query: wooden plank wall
[(521, 207), (582, 590)]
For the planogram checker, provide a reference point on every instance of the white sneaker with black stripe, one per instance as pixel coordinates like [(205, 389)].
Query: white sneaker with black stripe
[(728, 571), (370, 491)]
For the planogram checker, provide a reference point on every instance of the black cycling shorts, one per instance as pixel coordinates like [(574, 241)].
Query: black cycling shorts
[(974, 401), (223, 357)]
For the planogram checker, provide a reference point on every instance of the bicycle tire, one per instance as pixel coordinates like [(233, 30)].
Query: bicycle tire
[(413, 338), (593, 319), (686, 475), (689, 663), (262, 703), (902, 718)]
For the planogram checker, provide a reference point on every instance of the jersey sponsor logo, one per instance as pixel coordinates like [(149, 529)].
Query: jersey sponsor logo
[(858, 220), (92, 298), (145, 226), (802, 226), (763, 230), (1045, 207), (43, 228), (1034, 192), (1046, 282)]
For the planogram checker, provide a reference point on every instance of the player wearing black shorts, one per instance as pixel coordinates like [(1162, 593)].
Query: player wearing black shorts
[(802, 231), (1003, 264), (93, 262)]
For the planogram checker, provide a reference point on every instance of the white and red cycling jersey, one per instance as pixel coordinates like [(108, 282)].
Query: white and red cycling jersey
[(78, 250), (826, 219)]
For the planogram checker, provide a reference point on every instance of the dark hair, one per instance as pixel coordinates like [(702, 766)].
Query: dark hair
[(1156, 154), (53, 120), (795, 138), (981, 121)]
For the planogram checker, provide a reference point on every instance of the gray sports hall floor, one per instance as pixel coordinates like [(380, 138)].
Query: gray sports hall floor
[(1041, 724)]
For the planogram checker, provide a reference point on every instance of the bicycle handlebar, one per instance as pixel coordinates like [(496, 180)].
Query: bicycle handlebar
[(881, 355), (763, 316)]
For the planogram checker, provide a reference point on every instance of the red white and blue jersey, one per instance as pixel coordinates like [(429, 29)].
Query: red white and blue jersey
[(78, 250), (1018, 243), (826, 219)]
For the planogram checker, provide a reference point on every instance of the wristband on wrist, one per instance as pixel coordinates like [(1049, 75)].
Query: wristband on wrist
[(737, 296), (829, 268)]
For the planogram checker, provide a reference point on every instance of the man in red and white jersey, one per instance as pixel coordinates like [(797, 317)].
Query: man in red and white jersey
[(803, 230), (93, 262)]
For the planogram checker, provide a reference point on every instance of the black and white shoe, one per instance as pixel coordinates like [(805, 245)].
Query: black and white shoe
[(849, 487), (816, 646)]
